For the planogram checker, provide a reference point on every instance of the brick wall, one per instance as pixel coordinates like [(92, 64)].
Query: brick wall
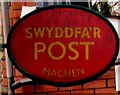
[(104, 84)]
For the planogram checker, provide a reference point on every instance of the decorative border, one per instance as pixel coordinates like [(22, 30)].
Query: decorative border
[(55, 83)]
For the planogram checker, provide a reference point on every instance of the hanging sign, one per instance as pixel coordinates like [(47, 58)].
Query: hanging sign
[(63, 45)]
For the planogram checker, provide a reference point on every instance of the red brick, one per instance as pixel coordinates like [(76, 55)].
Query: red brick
[(71, 88), (30, 3), (106, 90), (111, 83), (45, 88), (4, 73), (17, 5), (14, 21), (17, 73), (19, 90), (11, 22), (14, 67), (14, 13), (3, 64), (13, 71), (25, 89), (60, 93), (37, 94), (19, 78), (108, 74), (4, 82), (112, 68), (82, 91), (95, 84)]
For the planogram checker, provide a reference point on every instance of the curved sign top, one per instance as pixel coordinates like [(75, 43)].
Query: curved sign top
[(63, 45)]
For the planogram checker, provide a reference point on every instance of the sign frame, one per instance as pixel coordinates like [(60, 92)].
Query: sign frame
[(55, 83)]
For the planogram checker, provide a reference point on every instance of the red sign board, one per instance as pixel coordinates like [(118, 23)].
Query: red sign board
[(63, 45)]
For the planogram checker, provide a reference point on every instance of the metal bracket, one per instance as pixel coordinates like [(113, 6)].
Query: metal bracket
[(117, 63), (3, 45), (21, 83)]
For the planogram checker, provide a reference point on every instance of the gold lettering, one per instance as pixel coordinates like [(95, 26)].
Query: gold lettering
[(74, 72), (63, 73), (49, 31), (39, 31), (29, 33), (87, 44), (85, 33), (58, 32), (68, 32), (46, 71), (77, 31), (68, 73), (73, 50), (53, 73), (96, 32), (79, 71), (59, 73), (36, 50), (50, 53)]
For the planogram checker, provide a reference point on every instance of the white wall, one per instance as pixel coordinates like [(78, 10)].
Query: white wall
[(116, 24)]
